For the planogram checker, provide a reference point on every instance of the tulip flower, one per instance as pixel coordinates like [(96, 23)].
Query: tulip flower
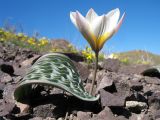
[(97, 29)]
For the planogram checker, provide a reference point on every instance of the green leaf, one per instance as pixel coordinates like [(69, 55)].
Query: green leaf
[(55, 70)]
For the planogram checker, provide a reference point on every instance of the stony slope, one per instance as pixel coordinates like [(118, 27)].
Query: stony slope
[(139, 57), (125, 93)]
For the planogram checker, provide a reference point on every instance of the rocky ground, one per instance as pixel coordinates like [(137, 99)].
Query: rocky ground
[(125, 93)]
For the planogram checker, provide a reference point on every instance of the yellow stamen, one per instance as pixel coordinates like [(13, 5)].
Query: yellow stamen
[(98, 42), (102, 39)]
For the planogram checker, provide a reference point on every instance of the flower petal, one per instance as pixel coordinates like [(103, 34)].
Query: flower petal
[(104, 38), (97, 29), (110, 24), (119, 23), (85, 29), (73, 18), (111, 20), (98, 26), (91, 15), (107, 35)]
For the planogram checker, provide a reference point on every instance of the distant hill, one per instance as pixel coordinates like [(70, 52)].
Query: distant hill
[(138, 57)]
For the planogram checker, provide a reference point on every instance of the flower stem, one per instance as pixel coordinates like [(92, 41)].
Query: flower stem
[(95, 73)]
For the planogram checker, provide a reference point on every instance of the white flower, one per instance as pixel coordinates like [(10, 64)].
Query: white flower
[(97, 29)]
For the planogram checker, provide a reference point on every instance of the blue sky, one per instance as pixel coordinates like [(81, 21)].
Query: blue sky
[(140, 29)]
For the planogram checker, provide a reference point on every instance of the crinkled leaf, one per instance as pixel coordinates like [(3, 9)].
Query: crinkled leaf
[(54, 70)]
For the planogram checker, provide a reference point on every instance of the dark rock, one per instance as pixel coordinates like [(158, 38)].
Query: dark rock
[(6, 108), (122, 87), (138, 78), (8, 93), (120, 111), (2, 118), (92, 65), (5, 78), (100, 65), (17, 79), (154, 101), (82, 70), (20, 71), (136, 106), (37, 118), (56, 91), (88, 87), (53, 107), (152, 71), (105, 82), (150, 88), (60, 44), (157, 114), (1, 96), (75, 57), (132, 69), (99, 76), (27, 53), (1, 101), (44, 110), (108, 99), (58, 118), (2, 85), (152, 80), (136, 97), (148, 117), (105, 114), (24, 54), (6, 68), (121, 118), (111, 65), (25, 65), (115, 94), (24, 108), (1, 90), (30, 61), (8, 51), (84, 115), (1, 60), (19, 116), (120, 78), (135, 117), (59, 111), (141, 116), (136, 85)]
